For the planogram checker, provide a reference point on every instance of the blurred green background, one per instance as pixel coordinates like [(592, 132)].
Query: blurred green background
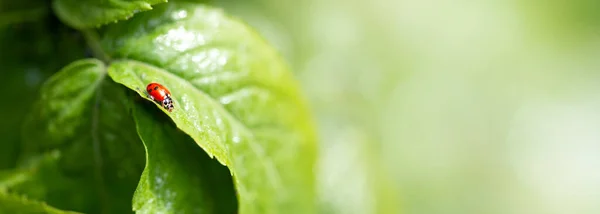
[(447, 106), (430, 107)]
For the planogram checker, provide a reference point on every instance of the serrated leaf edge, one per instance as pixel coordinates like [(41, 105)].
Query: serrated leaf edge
[(59, 11)]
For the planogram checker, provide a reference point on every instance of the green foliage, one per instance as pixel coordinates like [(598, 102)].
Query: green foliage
[(83, 141), (35, 50), (22, 11), (30, 177), (92, 13), (83, 115), (174, 165), (16, 204)]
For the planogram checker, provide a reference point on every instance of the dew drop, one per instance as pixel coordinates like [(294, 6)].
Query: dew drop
[(180, 15), (236, 139)]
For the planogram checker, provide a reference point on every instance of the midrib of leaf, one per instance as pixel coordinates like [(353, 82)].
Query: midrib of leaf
[(79, 100), (267, 164), (92, 40), (97, 153)]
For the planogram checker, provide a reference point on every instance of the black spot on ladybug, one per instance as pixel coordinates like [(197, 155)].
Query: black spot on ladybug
[(155, 87)]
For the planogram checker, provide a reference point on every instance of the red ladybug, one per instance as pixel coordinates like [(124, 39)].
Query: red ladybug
[(161, 95)]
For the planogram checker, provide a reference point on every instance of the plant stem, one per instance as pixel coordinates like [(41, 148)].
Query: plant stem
[(93, 42)]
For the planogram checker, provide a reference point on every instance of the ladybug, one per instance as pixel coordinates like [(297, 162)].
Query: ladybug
[(161, 95)]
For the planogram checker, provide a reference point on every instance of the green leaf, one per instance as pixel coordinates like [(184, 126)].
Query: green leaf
[(93, 13), (233, 95), (83, 115), (17, 204), (179, 177)]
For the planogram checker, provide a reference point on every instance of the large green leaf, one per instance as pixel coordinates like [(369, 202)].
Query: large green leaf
[(178, 173), (233, 95), (83, 14), (17, 204), (82, 115)]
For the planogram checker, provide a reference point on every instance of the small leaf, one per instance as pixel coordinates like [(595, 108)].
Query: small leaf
[(17, 204), (93, 13), (233, 95), (83, 115), (179, 177)]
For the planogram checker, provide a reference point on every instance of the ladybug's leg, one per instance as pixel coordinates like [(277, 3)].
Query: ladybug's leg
[(146, 93), (138, 89)]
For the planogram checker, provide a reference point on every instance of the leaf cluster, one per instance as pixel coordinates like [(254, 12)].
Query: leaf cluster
[(80, 134)]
